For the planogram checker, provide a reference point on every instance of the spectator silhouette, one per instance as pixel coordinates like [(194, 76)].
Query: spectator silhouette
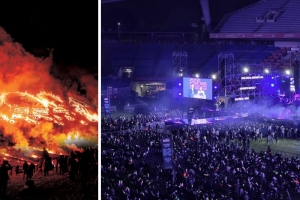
[(25, 168), (4, 168)]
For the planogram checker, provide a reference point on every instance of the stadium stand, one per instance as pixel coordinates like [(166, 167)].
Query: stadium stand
[(155, 59), (288, 21), (237, 20), (242, 54)]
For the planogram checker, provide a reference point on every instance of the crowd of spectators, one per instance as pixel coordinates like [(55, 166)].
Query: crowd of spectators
[(139, 121), (210, 161)]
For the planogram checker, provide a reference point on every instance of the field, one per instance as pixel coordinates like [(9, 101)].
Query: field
[(286, 147)]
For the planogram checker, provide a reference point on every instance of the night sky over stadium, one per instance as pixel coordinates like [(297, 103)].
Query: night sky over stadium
[(163, 15), (69, 27)]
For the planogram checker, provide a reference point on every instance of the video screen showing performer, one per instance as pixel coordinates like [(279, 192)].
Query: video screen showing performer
[(197, 88)]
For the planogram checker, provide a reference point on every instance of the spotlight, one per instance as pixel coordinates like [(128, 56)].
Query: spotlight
[(272, 85), (287, 72), (267, 71), (246, 69), (179, 84), (197, 75), (179, 94), (213, 76), (215, 87)]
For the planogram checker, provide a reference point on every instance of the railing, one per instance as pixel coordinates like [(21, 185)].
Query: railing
[(150, 37), (111, 109)]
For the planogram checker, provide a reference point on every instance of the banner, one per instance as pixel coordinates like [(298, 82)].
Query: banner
[(167, 151), (109, 91), (106, 106), (190, 115), (255, 35)]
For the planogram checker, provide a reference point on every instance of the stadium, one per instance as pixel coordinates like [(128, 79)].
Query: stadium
[(200, 87)]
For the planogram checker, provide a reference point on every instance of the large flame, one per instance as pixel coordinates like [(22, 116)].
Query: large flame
[(38, 110)]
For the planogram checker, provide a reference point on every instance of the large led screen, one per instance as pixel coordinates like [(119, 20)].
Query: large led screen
[(198, 88)]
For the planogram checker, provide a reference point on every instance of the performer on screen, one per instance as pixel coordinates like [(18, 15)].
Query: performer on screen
[(201, 93), (192, 91)]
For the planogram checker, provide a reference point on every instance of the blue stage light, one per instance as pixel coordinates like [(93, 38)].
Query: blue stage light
[(272, 84)]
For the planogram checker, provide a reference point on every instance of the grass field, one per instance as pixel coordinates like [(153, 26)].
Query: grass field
[(286, 147)]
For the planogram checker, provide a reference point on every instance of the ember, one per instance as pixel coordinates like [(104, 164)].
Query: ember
[(37, 109)]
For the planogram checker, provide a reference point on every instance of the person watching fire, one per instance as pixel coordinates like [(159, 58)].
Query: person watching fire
[(4, 177), (25, 168)]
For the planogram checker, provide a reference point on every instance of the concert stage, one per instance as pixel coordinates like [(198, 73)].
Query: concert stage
[(207, 116)]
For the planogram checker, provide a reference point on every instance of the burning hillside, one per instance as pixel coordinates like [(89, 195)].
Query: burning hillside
[(38, 110)]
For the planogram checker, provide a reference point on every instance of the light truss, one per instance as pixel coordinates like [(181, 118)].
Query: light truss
[(227, 72), (179, 59), (234, 83)]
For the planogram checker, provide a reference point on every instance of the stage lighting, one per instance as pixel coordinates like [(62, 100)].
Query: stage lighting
[(213, 76), (287, 72), (272, 85), (197, 75), (246, 69), (267, 71), (215, 87), (179, 84), (179, 93)]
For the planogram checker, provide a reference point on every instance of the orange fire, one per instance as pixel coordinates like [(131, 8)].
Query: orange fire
[(36, 109), (34, 156)]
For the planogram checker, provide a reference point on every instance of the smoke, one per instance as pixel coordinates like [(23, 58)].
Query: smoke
[(23, 78), (21, 71), (275, 108)]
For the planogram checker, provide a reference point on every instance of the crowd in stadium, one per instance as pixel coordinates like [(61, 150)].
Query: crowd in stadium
[(211, 161)]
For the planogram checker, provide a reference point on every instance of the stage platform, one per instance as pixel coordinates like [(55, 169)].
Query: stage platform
[(216, 119), (207, 117)]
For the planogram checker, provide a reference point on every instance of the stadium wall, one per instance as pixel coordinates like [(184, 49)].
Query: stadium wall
[(286, 44)]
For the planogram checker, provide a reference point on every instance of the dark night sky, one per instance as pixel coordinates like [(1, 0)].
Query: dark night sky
[(70, 27), (163, 15)]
